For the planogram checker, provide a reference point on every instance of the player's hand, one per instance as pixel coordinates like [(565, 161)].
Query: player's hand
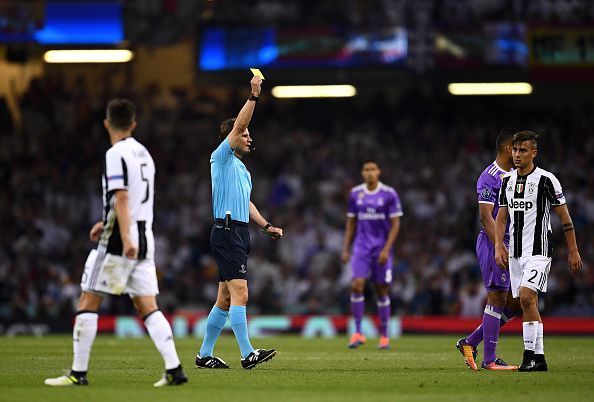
[(346, 256), (274, 232), (383, 257), (501, 256), (256, 84), (96, 230), (575, 262), (130, 251)]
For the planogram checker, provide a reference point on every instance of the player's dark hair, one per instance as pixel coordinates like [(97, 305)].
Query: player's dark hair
[(120, 113), (370, 160), (226, 128), (506, 134), (522, 136)]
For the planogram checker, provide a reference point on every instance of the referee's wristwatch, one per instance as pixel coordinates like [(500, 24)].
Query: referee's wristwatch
[(265, 228), (253, 98)]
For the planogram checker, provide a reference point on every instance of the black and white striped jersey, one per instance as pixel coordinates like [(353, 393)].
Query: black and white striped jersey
[(129, 166), (529, 199)]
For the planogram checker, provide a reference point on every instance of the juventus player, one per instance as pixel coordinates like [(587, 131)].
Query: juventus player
[(526, 196), (124, 259)]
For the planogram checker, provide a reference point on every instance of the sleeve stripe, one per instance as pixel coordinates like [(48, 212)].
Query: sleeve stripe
[(125, 170), (118, 177), (350, 215), (396, 214), (486, 202)]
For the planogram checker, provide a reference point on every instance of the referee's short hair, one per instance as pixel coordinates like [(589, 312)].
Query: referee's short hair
[(120, 113), (522, 136), (226, 128)]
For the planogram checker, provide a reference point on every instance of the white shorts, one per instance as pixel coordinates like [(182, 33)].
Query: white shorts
[(530, 272), (112, 274)]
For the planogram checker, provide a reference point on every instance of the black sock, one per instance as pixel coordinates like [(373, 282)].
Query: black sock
[(78, 374), (174, 370), (528, 355)]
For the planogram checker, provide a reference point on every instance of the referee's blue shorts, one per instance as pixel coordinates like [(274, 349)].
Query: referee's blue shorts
[(230, 247)]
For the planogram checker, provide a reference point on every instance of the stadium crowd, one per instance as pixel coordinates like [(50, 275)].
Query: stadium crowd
[(431, 147), (374, 13)]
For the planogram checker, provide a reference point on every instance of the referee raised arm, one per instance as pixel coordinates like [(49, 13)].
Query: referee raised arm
[(230, 238)]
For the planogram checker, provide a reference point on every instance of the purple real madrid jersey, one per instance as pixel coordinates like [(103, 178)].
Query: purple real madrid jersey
[(373, 210), (487, 188)]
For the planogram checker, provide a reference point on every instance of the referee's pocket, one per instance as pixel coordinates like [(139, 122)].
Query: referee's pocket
[(218, 237)]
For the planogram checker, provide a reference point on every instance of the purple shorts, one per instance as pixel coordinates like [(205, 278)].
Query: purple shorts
[(494, 277), (366, 266)]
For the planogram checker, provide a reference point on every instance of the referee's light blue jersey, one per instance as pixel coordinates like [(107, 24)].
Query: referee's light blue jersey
[(231, 184)]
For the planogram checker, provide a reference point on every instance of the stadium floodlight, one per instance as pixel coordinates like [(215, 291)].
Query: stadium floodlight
[(88, 56), (314, 91), (490, 88)]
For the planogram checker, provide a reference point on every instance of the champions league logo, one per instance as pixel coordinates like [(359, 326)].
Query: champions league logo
[(486, 194)]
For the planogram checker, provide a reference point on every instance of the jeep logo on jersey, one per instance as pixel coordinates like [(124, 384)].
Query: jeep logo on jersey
[(525, 205)]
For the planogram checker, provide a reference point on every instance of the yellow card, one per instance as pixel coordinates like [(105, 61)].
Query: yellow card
[(257, 72)]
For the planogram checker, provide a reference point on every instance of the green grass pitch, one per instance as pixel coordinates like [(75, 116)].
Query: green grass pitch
[(417, 368)]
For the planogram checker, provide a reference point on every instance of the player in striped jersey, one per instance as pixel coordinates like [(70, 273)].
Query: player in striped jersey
[(526, 197), (124, 259)]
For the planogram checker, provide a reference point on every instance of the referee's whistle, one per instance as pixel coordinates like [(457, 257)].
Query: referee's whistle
[(228, 220)]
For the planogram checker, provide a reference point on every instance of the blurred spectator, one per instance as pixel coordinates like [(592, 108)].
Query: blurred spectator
[(431, 148)]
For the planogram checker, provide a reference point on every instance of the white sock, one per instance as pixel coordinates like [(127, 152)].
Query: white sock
[(539, 347), (530, 331), (160, 331), (83, 336)]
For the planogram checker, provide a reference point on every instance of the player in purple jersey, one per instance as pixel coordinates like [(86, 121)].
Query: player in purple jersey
[(373, 220), (500, 305)]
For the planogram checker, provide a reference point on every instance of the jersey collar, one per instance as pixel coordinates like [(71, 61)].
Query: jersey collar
[(377, 189), (499, 167), (529, 173)]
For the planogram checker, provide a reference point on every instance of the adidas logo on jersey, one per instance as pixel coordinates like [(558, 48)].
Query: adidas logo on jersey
[(525, 205)]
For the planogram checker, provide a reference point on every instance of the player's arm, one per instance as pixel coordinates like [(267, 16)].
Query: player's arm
[(385, 253), (501, 253), (96, 230), (574, 258), (486, 189), (349, 234), (272, 231), (245, 114), (486, 217), (122, 208)]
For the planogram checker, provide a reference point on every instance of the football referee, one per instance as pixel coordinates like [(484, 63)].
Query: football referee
[(230, 238)]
